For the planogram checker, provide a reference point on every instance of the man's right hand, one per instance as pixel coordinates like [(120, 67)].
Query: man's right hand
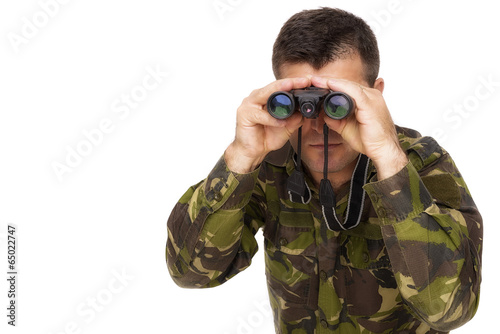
[(257, 132)]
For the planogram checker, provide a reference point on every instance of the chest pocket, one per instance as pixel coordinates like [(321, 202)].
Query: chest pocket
[(372, 288), (361, 253), (294, 233), (290, 257), (363, 247)]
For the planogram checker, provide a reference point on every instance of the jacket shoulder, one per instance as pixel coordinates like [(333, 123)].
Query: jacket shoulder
[(422, 150)]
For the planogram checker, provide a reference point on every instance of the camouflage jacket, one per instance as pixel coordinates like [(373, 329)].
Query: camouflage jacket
[(413, 264)]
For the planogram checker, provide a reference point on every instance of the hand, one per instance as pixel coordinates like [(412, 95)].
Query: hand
[(257, 132), (370, 130)]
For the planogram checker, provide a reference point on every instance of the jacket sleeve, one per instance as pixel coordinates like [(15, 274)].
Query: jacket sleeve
[(211, 229), (433, 233)]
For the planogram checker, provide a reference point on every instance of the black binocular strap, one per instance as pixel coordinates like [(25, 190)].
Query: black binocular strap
[(355, 201), (299, 192), (296, 185)]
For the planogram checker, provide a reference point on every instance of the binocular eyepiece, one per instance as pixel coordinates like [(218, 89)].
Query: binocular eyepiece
[(336, 105)]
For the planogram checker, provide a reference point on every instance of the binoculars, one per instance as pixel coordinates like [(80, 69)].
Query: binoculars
[(308, 101)]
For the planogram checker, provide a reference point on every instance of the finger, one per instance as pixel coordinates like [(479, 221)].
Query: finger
[(260, 96), (358, 92), (355, 90), (283, 134), (294, 122), (251, 116), (335, 124)]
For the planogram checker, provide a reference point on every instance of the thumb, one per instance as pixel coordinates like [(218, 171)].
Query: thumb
[(294, 122), (336, 125)]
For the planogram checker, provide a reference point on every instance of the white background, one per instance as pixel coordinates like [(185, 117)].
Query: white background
[(107, 217)]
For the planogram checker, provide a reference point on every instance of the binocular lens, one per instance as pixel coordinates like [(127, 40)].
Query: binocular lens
[(281, 105), (338, 105)]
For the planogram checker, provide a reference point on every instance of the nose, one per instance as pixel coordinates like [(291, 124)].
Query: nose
[(317, 123)]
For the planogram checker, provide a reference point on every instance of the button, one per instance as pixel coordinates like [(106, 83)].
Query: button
[(323, 275), (283, 242), (218, 196), (382, 212), (324, 323), (366, 257), (375, 197)]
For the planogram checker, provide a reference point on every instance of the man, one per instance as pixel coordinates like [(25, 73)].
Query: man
[(411, 263)]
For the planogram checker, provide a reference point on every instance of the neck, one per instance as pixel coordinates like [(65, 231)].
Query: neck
[(336, 178)]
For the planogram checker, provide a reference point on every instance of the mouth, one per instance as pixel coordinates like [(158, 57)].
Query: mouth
[(322, 146)]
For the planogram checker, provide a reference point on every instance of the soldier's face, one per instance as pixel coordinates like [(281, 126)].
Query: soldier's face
[(341, 157)]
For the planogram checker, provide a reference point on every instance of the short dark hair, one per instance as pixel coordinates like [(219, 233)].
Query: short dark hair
[(320, 36)]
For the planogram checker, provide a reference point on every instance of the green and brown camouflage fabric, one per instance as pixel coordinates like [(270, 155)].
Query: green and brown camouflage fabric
[(413, 265)]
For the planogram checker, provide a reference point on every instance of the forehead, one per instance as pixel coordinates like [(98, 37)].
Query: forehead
[(350, 68)]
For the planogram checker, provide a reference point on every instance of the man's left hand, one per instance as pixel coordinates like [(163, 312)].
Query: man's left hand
[(370, 130)]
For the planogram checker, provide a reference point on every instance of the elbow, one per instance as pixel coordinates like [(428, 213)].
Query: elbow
[(179, 269), (450, 322), (183, 275), (450, 311), (187, 279), (447, 302), (186, 275)]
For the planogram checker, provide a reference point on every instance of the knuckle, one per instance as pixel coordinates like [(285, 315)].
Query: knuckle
[(256, 92), (244, 102)]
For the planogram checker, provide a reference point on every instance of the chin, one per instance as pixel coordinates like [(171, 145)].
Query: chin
[(335, 164), (318, 165)]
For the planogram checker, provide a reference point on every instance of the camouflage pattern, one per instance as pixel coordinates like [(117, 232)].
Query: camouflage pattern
[(413, 265)]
